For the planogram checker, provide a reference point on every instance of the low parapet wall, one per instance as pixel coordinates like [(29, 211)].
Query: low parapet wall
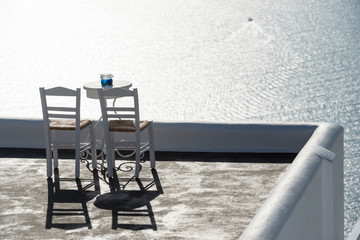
[(243, 137), (184, 136), (308, 201)]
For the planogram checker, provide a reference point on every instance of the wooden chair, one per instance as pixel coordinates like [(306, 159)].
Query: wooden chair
[(121, 120), (59, 117)]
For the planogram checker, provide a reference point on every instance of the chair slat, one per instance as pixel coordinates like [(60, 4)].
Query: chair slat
[(62, 109), (60, 91), (121, 109), (121, 115), (62, 115)]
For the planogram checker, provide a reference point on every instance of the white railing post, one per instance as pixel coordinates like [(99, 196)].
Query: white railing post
[(328, 157)]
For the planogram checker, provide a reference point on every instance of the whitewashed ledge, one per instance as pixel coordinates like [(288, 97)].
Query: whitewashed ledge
[(184, 136), (306, 203)]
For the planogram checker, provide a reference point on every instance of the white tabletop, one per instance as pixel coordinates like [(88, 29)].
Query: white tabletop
[(92, 87), (116, 84)]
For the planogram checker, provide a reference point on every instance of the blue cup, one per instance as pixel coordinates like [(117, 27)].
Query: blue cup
[(106, 79)]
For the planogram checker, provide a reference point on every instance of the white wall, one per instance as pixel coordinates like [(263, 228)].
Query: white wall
[(308, 201), (183, 136)]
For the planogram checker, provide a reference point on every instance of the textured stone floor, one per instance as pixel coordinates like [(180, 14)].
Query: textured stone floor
[(188, 196)]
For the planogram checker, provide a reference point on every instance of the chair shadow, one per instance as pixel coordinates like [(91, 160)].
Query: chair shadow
[(66, 215), (131, 205)]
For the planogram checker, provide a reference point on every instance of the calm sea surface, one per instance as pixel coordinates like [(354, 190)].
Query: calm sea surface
[(213, 60)]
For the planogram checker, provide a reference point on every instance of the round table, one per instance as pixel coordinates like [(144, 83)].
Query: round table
[(92, 87)]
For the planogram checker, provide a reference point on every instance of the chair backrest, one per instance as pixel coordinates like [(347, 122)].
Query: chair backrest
[(59, 109), (119, 112)]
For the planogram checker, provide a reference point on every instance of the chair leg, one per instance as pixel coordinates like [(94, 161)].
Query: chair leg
[(112, 141), (48, 152), (77, 156), (93, 147), (110, 156), (137, 162), (110, 161), (48, 160), (56, 157), (137, 155), (152, 146)]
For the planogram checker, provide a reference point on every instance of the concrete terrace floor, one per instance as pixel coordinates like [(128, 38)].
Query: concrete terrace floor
[(188, 196)]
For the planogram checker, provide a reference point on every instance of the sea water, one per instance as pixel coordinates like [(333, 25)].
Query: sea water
[(220, 61)]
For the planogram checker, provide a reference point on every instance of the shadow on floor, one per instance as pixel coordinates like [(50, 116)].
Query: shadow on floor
[(131, 205), (63, 203), (167, 156)]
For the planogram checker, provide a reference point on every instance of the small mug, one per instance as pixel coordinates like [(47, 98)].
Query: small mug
[(106, 79)]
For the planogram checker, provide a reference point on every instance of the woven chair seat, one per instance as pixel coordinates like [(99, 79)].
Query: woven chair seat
[(126, 125), (68, 124)]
